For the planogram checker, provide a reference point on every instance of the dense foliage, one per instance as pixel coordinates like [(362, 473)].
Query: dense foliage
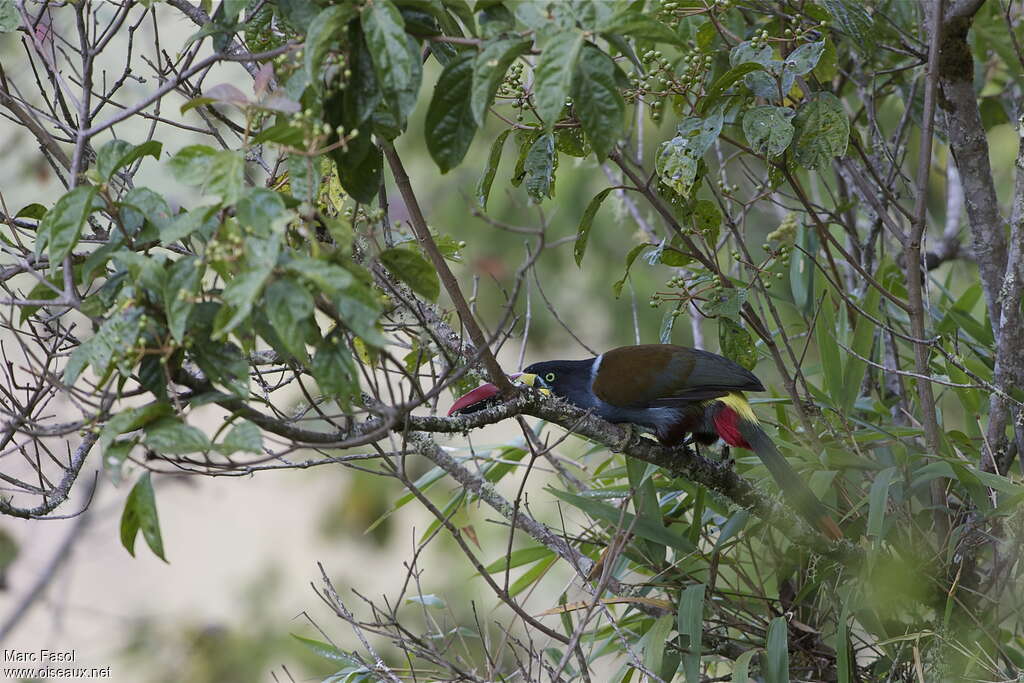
[(804, 196)]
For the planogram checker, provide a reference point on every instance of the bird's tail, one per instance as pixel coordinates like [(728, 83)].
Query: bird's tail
[(796, 492)]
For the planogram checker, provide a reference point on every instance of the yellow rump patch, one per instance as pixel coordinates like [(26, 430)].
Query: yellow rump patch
[(739, 404)]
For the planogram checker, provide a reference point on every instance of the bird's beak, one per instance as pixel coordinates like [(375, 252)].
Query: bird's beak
[(533, 381)]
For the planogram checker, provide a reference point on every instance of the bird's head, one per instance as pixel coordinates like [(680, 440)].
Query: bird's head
[(569, 379)]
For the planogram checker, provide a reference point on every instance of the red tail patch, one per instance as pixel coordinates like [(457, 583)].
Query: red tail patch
[(727, 424)]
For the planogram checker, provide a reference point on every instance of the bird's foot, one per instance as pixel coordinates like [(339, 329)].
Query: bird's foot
[(728, 461)]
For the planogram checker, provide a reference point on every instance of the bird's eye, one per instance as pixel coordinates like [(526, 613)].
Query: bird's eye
[(550, 377)]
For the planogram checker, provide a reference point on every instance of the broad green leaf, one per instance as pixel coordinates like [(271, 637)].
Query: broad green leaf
[(777, 656), (583, 232), (320, 649), (707, 219), (598, 100), (140, 514), (803, 59), (172, 436), (239, 297), (411, 268), (640, 25), (450, 125), (116, 154), (289, 308), (488, 71), (114, 341), (218, 171), (325, 277), (540, 167), (335, 371), (114, 457), (181, 288), (325, 30), (130, 420), (828, 348), (823, 131), (483, 188), (736, 343), (553, 76), (644, 528), (144, 210), (768, 129), (727, 302), (395, 63), (262, 211), (9, 17), (243, 436), (853, 20), (689, 622), (678, 158), (716, 91), (877, 501), (61, 226)]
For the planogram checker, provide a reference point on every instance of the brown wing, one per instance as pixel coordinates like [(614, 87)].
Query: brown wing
[(664, 373)]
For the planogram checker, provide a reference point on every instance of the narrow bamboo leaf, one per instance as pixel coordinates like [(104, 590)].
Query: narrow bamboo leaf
[(645, 501), (553, 76), (449, 126), (689, 623), (777, 656), (801, 269), (828, 349), (877, 500), (324, 649), (531, 576), (654, 642), (643, 528), (843, 669), (483, 188), (741, 671), (583, 233), (140, 514), (517, 558), (733, 526), (630, 257), (863, 340)]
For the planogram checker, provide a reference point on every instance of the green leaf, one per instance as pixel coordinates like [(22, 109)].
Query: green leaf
[(736, 343), (733, 526), (689, 622), (598, 100), (116, 154), (429, 600), (450, 125), (489, 70), (182, 286), (654, 642), (34, 210), (678, 158), (863, 341), (801, 269), (396, 66), (483, 188), (843, 668), (10, 20), (130, 420), (727, 303), (362, 180), (777, 645), (741, 671), (62, 225), (140, 513), (823, 131), (553, 76), (642, 527), (630, 257), (531, 576), (335, 371), (244, 436), (221, 172), (583, 232), (645, 502), (289, 308), (716, 91), (803, 59), (324, 31), (877, 500), (639, 25), (239, 296), (768, 129), (324, 650), (540, 167), (707, 219), (114, 457), (517, 558), (411, 268), (171, 436), (852, 19), (828, 348)]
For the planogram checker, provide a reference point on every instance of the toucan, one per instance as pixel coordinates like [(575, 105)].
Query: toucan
[(680, 394)]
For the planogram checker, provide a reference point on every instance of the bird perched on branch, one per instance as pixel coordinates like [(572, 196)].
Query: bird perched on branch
[(675, 392)]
